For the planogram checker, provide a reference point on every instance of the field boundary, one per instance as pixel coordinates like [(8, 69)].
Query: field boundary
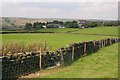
[(27, 63), (68, 32)]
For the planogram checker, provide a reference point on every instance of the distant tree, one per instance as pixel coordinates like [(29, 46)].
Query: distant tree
[(66, 24), (55, 22), (61, 22), (48, 23), (71, 24), (111, 23), (100, 23), (38, 25), (115, 23), (118, 23), (90, 24), (35, 24), (94, 24), (75, 24), (52, 25), (28, 26), (107, 24)]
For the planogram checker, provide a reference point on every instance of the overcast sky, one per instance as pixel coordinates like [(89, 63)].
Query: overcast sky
[(76, 10)]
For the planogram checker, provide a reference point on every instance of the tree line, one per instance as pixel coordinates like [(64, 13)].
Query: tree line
[(53, 24), (68, 24)]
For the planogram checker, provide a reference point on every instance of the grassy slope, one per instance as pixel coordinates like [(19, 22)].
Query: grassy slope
[(99, 30), (102, 64)]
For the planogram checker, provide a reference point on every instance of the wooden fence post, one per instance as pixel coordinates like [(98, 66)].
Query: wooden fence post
[(73, 53), (94, 46), (115, 40), (110, 41), (40, 58), (99, 44), (102, 43), (106, 42), (85, 49), (94, 43), (62, 59)]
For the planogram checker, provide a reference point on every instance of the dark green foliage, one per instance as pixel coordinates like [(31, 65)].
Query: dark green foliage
[(118, 23), (53, 25), (38, 25), (57, 22), (71, 24), (111, 23), (90, 24), (28, 26)]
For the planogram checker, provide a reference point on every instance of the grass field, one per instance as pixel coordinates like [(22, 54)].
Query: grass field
[(47, 30), (58, 40), (96, 30), (57, 30), (99, 30), (102, 64), (54, 41)]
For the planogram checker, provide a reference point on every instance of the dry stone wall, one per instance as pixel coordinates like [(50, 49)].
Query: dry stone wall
[(14, 66)]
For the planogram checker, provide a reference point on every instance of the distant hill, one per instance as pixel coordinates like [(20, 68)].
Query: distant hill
[(15, 23), (12, 23)]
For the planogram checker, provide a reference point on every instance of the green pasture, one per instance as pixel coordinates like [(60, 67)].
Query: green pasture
[(99, 30), (54, 41), (102, 64), (57, 30), (47, 30), (58, 40)]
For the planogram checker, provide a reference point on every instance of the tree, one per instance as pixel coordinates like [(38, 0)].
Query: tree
[(35, 24), (57, 22), (118, 23), (28, 26), (38, 25), (71, 24), (90, 24), (115, 23), (107, 24)]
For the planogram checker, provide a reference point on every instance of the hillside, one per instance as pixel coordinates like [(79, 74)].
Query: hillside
[(12, 23), (15, 23)]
